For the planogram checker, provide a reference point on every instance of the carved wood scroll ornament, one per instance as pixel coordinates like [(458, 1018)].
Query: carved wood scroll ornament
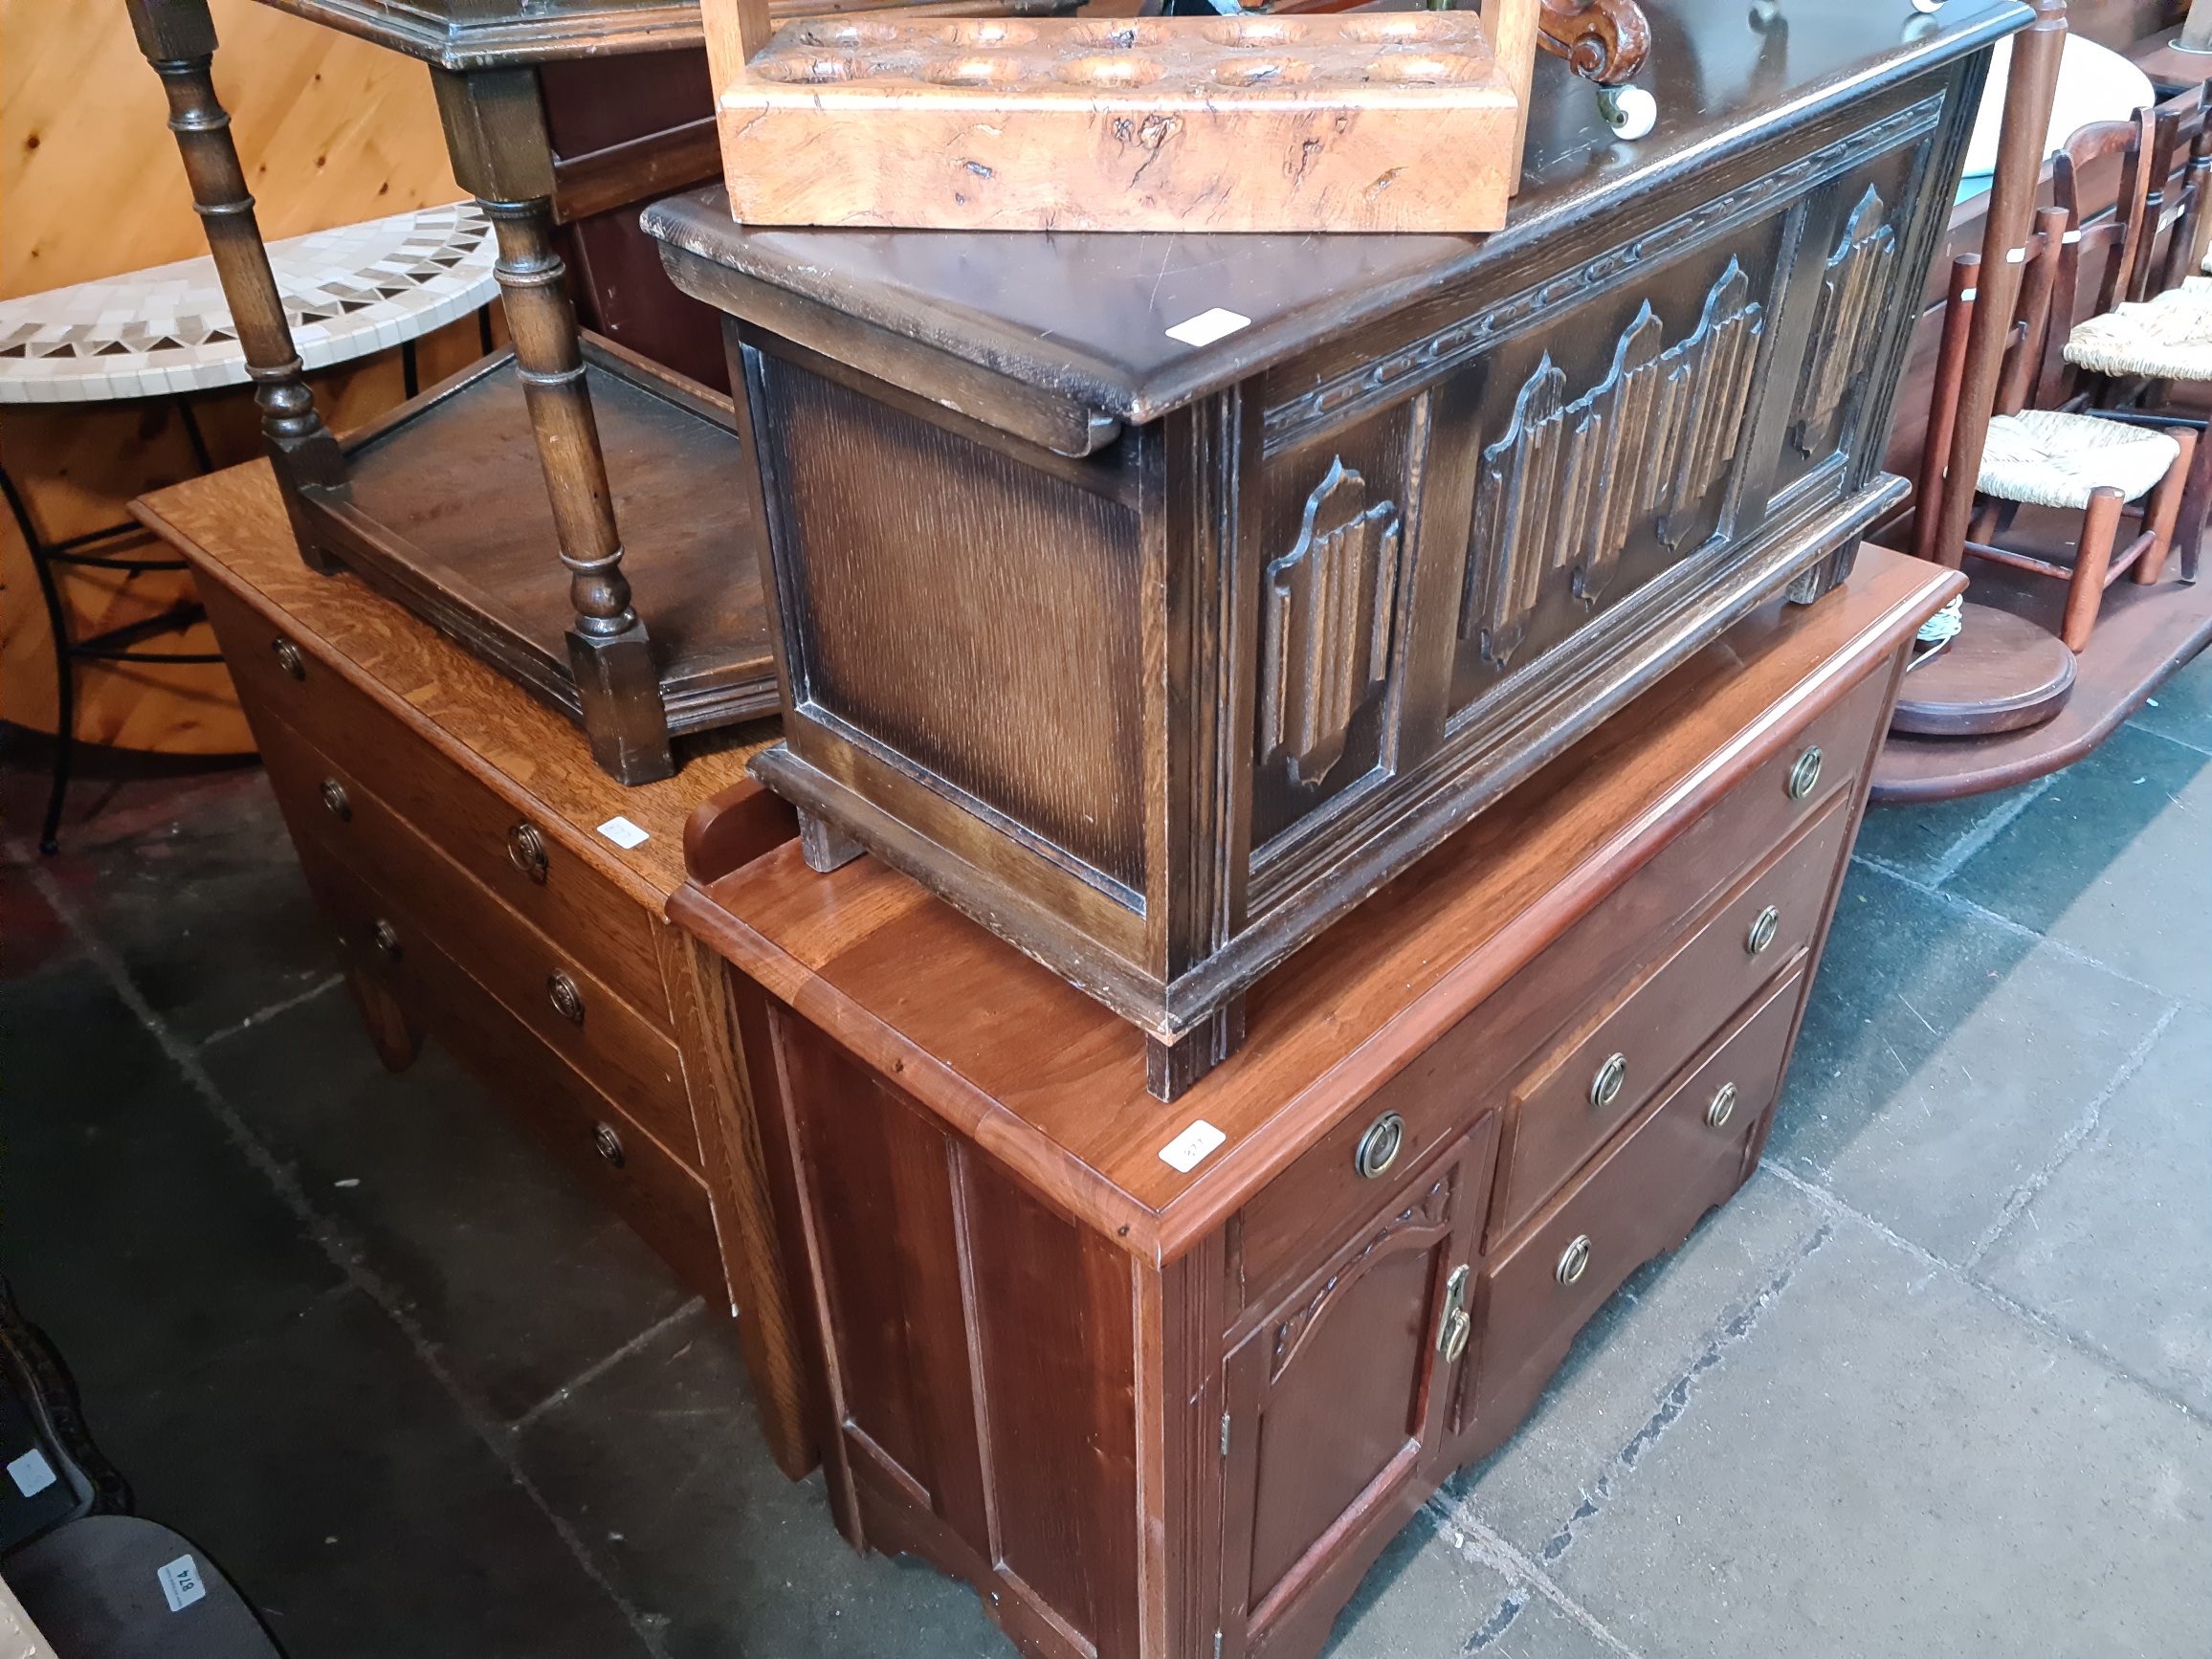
[(1329, 604), (1569, 482), (1419, 1221)]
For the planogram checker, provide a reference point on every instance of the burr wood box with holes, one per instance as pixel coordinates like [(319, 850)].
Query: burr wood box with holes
[(1165, 1380), (1390, 122), (1155, 658)]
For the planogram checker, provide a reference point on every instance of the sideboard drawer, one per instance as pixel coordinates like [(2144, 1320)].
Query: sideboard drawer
[(582, 1019), (1642, 1198), (496, 842), (1595, 1081), (595, 1136)]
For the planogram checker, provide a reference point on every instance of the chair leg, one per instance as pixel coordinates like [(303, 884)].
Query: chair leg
[(2085, 594), (178, 38), (64, 665), (2195, 499), (494, 125), (2165, 507)]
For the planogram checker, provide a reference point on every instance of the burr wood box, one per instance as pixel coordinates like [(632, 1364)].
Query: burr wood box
[(1367, 121), (1155, 599)]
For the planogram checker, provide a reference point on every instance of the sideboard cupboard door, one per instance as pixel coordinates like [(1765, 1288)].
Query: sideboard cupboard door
[(1337, 1401)]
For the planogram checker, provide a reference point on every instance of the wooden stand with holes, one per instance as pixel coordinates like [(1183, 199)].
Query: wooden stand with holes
[(451, 829), (1164, 1380)]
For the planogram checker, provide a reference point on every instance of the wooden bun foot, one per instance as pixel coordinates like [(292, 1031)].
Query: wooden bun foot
[(2001, 674)]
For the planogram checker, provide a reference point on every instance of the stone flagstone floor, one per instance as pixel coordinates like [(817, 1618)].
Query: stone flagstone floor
[(1939, 1382)]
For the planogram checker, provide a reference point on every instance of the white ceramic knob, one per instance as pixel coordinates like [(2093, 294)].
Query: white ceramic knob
[(1630, 111)]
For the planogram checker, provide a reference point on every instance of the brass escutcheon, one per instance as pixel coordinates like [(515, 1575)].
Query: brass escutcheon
[(1573, 1260), (1762, 931), (1378, 1148), (334, 798), (1606, 1086), (1722, 1106), (288, 658), (566, 1000), (1805, 774), (526, 850)]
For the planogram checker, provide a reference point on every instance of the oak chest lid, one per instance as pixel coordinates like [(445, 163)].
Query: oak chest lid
[(1136, 325)]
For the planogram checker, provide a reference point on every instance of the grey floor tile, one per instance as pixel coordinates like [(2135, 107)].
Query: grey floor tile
[(2034, 869), (659, 1466), (204, 904), (133, 1229), (518, 1274), (1902, 968), (345, 1494), (2149, 913), (2118, 1248), (2181, 708), (1926, 842), (1894, 1464), (1638, 1361), (1430, 1598), (1994, 1102)]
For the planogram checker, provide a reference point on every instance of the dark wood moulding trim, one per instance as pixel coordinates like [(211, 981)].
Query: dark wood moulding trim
[(673, 27), (1165, 1235), (599, 181)]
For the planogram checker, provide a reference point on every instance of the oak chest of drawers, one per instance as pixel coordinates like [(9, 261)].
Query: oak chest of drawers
[(461, 848), (1154, 599), (1164, 1380)]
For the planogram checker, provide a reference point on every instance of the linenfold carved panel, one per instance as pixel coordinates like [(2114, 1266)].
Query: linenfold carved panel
[(1846, 325), (1417, 1223), (1570, 483), (1328, 606)]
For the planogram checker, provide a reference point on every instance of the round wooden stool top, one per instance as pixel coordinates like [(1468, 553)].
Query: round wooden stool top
[(2001, 674)]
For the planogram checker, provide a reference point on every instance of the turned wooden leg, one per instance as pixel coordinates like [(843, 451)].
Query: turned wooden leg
[(397, 1039), (2165, 507), (178, 38), (496, 129), (2085, 592)]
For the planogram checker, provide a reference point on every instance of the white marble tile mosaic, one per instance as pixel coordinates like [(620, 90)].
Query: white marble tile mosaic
[(347, 293)]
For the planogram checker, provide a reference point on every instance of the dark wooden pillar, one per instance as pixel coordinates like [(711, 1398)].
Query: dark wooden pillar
[(178, 38), (494, 125)]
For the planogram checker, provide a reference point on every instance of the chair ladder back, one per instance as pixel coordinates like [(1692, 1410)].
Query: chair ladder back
[(2161, 205), (2020, 378)]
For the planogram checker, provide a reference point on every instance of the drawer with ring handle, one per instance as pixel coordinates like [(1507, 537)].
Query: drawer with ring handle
[(1641, 1198), (1577, 1096)]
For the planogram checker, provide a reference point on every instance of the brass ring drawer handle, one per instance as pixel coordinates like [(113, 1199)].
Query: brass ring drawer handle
[(386, 938), (334, 798), (1762, 931), (1805, 776), (566, 1000), (526, 850), (288, 658), (608, 1143), (1574, 1260), (1722, 1106), (1378, 1148), (1606, 1086)]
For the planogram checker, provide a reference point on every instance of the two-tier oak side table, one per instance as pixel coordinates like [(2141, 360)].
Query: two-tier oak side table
[(487, 883), (1162, 1379)]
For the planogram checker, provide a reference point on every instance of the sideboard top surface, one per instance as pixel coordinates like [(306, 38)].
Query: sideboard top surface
[(1084, 316), (231, 527), (1052, 1082)]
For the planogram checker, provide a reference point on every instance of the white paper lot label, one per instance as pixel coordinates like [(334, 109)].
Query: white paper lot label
[(181, 1584), (1187, 1150)]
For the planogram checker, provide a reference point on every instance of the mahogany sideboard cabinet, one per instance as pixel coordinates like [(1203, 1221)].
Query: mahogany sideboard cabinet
[(1161, 1381), (1154, 599), (487, 883)]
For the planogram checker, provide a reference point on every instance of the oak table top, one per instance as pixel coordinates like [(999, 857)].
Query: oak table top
[(235, 522)]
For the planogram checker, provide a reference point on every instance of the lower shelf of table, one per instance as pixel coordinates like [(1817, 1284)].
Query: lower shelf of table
[(446, 511)]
